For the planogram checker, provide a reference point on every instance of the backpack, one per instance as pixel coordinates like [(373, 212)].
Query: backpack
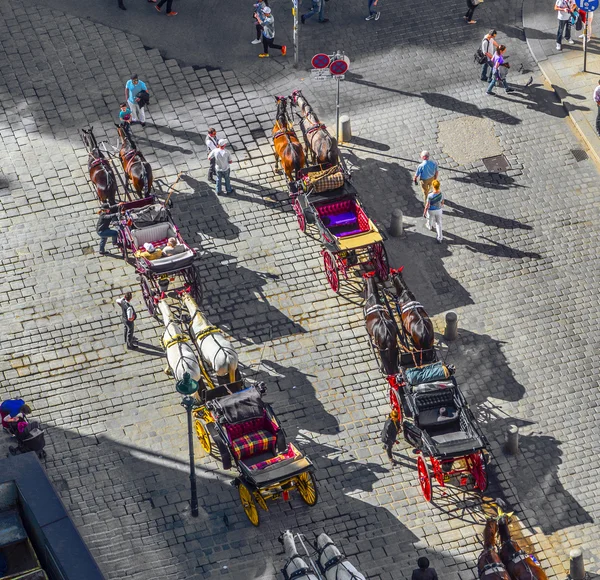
[(479, 57)]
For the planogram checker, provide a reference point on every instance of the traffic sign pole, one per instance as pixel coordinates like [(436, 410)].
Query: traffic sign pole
[(337, 110), (588, 6), (585, 28), (295, 15)]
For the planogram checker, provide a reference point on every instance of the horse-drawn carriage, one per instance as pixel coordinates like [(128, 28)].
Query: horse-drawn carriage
[(433, 415), (235, 419), (145, 222)]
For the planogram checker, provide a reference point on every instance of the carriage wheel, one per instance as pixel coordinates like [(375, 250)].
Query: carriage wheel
[(478, 471), (248, 503), (260, 500), (380, 258), (202, 435), (192, 279), (331, 270), (424, 478), (300, 216), (148, 297), (307, 488), (395, 403), (123, 244)]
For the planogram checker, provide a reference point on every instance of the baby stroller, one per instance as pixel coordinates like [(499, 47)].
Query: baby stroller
[(30, 437)]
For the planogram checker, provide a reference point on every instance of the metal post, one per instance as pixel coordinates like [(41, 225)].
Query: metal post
[(337, 110), (512, 439), (451, 330), (587, 15), (296, 28), (396, 228), (188, 403), (576, 565)]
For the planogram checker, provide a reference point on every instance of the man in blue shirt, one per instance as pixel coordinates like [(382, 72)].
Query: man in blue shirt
[(132, 89), (427, 171), (12, 410)]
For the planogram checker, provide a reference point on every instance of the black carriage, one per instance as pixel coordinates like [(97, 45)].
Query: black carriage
[(244, 429), (433, 415), (146, 221), (324, 196)]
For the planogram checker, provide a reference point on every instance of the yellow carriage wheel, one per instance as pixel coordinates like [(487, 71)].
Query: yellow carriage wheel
[(202, 434), (307, 488), (248, 504), (260, 500)]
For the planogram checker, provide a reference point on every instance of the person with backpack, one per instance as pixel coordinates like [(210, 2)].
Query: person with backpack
[(564, 9), (488, 48), (268, 33)]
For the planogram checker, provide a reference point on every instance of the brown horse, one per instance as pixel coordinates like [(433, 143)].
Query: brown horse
[(489, 565), (288, 149), (101, 173), (520, 565), (415, 321), (380, 326), (323, 146), (135, 166)]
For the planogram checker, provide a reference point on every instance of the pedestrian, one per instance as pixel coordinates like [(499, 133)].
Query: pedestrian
[(587, 19), (170, 11), (125, 113), (258, 10), (211, 144), (499, 71), (373, 14), (267, 22), (424, 572), (597, 99), (488, 47), (433, 210), (128, 316), (427, 171), (108, 214), (471, 5), (222, 159), (13, 411), (564, 9), (133, 87), (317, 6)]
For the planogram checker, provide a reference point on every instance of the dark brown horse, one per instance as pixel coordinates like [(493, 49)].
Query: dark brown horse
[(323, 146), (415, 321), (288, 149), (489, 565), (380, 326), (101, 173), (519, 564), (135, 166)]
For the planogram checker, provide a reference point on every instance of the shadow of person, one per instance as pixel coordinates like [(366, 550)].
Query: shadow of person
[(488, 180), (191, 136), (164, 146), (199, 211), (493, 248), (369, 144), (295, 397), (468, 213), (235, 299)]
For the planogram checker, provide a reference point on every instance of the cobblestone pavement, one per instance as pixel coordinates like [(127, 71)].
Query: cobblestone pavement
[(516, 266)]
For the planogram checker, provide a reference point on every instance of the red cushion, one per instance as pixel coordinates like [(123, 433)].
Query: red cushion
[(253, 444)]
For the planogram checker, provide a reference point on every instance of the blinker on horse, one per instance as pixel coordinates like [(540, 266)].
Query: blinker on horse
[(288, 149), (134, 164)]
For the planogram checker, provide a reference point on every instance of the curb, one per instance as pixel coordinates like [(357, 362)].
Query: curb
[(587, 133)]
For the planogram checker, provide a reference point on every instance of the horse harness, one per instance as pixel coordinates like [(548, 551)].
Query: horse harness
[(175, 339), (493, 568), (315, 127), (130, 157), (98, 161), (335, 561), (303, 571), (413, 305)]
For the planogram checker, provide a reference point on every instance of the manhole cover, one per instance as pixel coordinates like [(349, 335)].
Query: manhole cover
[(579, 154), (257, 134), (496, 164)]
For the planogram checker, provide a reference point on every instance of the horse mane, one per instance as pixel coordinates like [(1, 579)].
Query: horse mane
[(402, 288)]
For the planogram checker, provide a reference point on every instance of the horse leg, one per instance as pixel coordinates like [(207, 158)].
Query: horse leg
[(276, 168)]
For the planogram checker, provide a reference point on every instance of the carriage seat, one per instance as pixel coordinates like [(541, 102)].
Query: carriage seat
[(252, 437), (344, 218), (429, 406), (154, 234)]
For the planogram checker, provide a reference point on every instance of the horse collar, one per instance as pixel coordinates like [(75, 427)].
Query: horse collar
[(493, 567), (375, 308), (315, 127), (410, 306), (519, 557), (98, 161), (282, 132), (129, 154)]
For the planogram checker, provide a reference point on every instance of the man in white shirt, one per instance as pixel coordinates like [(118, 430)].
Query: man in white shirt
[(564, 9), (597, 99), (222, 159), (128, 316), (211, 144), (488, 47)]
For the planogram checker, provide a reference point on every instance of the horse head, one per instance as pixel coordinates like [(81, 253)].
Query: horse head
[(489, 533), (503, 519), (281, 114), (294, 96)]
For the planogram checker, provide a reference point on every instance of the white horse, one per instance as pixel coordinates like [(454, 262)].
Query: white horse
[(180, 355), (331, 564), (215, 349)]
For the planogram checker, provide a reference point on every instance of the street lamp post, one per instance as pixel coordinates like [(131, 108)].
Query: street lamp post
[(296, 16), (187, 387)]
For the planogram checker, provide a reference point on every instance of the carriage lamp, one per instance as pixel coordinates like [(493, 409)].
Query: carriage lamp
[(187, 387)]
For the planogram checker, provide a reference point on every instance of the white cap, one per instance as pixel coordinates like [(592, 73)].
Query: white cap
[(149, 247), (266, 10), (222, 142)]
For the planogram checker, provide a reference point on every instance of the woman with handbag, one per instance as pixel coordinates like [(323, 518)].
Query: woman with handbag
[(499, 71), (471, 5)]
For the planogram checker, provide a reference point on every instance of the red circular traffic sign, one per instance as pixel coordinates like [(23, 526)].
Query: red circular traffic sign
[(320, 61), (338, 67)]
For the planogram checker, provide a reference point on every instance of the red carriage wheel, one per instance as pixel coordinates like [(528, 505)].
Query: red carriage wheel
[(395, 403), (122, 243), (331, 270), (380, 258), (192, 279), (299, 216), (424, 478), (148, 296), (437, 471), (478, 470)]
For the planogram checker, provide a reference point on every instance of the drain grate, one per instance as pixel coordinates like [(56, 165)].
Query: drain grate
[(579, 154), (496, 164)]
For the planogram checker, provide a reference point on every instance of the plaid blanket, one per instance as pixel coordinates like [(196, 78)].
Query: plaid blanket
[(326, 180)]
